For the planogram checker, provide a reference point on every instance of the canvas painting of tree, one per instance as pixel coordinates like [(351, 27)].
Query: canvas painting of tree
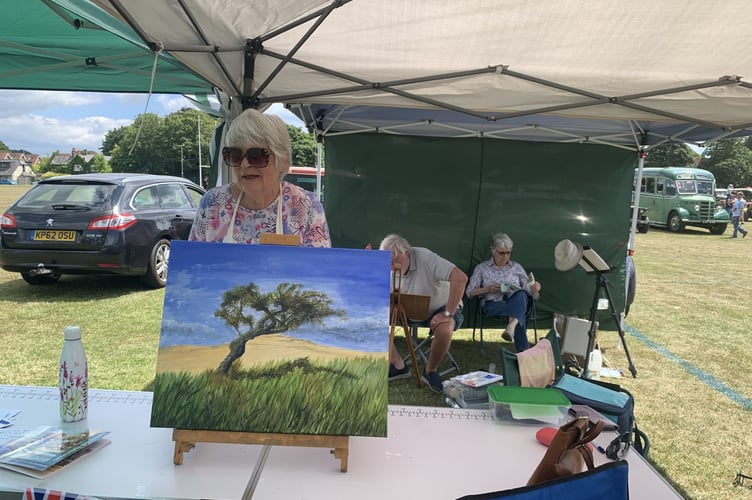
[(266, 338)]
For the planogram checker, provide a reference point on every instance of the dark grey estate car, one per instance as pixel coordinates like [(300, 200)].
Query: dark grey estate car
[(97, 224)]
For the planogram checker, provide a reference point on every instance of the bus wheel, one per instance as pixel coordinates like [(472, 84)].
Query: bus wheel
[(718, 228), (674, 223)]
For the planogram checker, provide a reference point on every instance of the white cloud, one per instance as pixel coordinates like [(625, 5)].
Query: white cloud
[(44, 121), (173, 103), (18, 102), (43, 135)]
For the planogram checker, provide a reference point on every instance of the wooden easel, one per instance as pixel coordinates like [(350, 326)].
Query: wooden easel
[(186, 439), (400, 302)]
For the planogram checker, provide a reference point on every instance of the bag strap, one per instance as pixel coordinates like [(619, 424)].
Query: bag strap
[(587, 455), (590, 434)]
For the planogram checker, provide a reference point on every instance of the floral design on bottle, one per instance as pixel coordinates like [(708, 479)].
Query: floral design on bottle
[(73, 392), (74, 377)]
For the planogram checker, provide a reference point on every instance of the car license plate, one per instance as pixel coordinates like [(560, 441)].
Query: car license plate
[(53, 235)]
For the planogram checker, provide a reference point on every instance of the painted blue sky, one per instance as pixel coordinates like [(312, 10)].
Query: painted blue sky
[(356, 280)]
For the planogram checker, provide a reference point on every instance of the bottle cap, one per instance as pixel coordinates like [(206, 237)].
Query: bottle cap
[(72, 333)]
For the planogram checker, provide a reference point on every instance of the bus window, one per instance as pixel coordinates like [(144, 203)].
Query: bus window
[(686, 187), (670, 188), (659, 185), (650, 185), (705, 187)]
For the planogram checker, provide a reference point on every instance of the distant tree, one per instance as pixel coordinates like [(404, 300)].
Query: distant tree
[(112, 138), (158, 144), (44, 163), (181, 128), (670, 155), (4, 147), (252, 313), (730, 160), (140, 149), (99, 164), (303, 147)]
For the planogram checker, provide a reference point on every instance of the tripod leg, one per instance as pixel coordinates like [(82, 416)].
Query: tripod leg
[(620, 328)]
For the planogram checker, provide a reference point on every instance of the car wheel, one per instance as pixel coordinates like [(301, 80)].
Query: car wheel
[(47, 279), (643, 228), (674, 222), (718, 228), (631, 284), (156, 274)]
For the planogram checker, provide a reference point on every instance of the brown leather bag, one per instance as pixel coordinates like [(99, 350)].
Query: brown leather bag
[(567, 454)]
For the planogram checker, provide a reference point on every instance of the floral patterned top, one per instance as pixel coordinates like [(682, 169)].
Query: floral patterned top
[(486, 273), (302, 214)]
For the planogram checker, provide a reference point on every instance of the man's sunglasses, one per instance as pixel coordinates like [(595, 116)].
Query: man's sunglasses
[(256, 157)]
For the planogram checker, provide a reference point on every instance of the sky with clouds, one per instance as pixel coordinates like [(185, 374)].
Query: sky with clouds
[(357, 282), (45, 121)]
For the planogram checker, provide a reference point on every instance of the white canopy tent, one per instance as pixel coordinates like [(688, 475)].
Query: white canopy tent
[(623, 73)]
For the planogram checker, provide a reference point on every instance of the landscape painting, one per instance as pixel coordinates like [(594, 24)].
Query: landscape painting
[(279, 339)]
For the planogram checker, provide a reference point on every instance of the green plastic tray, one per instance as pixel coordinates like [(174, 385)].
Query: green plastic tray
[(502, 394)]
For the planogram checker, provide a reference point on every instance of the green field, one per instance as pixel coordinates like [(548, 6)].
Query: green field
[(686, 333)]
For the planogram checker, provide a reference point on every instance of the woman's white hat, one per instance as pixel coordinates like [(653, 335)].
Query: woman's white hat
[(567, 254)]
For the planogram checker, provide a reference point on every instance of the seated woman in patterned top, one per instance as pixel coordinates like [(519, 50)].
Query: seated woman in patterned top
[(504, 289)]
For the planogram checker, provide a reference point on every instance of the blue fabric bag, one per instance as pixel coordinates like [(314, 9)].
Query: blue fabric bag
[(613, 402)]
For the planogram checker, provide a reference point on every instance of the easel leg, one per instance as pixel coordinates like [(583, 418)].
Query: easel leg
[(410, 348), (342, 454), (399, 316), (180, 448)]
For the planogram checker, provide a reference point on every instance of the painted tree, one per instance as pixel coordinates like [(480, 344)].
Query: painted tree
[(252, 313)]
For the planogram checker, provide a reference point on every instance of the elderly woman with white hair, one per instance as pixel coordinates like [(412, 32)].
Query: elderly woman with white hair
[(258, 201), (504, 290)]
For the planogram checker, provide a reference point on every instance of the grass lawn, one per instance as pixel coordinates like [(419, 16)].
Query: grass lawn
[(686, 334)]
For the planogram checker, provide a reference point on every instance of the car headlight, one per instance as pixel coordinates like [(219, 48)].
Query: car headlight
[(697, 208)]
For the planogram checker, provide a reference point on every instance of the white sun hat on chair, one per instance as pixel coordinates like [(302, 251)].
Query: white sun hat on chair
[(567, 254)]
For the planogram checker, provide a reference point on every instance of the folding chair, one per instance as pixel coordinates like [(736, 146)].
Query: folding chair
[(423, 349), (417, 308), (531, 316), (511, 369)]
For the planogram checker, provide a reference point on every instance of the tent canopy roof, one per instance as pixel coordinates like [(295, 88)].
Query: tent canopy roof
[(74, 45), (561, 69)]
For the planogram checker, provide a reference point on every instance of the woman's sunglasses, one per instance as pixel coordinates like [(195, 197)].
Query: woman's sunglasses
[(256, 157)]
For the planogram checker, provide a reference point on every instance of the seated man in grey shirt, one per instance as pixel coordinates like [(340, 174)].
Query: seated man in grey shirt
[(426, 273)]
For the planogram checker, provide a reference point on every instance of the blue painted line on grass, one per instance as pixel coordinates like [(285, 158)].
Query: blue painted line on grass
[(713, 382)]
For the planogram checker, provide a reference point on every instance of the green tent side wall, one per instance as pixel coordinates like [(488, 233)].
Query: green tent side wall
[(452, 195)]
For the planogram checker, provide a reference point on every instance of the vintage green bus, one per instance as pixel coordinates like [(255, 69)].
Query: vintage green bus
[(681, 196)]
